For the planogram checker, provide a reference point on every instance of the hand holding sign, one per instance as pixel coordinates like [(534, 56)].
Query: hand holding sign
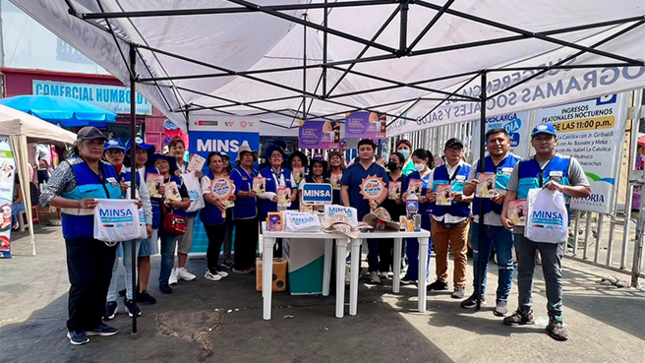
[(373, 188), (222, 189)]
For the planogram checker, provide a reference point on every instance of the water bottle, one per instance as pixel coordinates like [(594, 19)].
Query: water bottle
[(412, 205)]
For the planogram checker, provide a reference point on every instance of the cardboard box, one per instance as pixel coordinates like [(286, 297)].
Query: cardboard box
[(279, 274)]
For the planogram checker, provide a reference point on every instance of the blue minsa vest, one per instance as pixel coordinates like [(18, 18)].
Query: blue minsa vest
[(126, 174), (79, 223), (459, 179), (210, 215), (154, 202), (245, 208), (502, 173), (267, 205), (425, 209), (530, 176)]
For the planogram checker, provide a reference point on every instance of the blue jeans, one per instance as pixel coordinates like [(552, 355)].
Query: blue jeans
[(125, 252), (168, 246), (502, 239), (551, 254), (15, 209), (412, 250)]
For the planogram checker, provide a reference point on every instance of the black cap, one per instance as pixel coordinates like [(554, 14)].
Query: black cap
[(367, 142), (91, 133), (454, 141)]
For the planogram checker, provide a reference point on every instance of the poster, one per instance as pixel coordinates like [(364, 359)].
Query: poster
[(592, 132), (518, 125), (319, 135), (223, 134), (7, 175), (365, 125)]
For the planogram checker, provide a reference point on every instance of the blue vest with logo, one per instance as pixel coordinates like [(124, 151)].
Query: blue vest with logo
[(502, 173), (126, 175), (458, 180), (245, 208), (210, 215), (530, 176), (79, 223), (267, 205)]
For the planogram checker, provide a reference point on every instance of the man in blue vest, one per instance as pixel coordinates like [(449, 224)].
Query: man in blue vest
[(557, 172), (450, 224), (499, 162)]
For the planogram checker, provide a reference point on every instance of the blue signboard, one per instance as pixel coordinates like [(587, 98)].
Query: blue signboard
[(316, 194)]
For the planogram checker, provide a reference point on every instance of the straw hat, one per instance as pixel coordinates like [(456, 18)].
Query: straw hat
[(341, 223), (245, 148), (380, 214)]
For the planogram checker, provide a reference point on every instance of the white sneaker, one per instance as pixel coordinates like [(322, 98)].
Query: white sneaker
[(222, 273), (185, 275), (211, 276), (173, 277), (383, 275), (374, 277)]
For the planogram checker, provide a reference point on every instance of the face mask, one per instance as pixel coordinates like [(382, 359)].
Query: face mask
[(405, 152), (392, 166), (419, 166)]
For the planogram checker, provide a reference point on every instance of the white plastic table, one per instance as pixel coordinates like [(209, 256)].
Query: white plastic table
[(341, 251)]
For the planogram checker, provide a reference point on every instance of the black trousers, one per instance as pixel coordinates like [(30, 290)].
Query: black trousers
[(89, 265), (385, 254), (216, 236), (228, 239), (246, 242)]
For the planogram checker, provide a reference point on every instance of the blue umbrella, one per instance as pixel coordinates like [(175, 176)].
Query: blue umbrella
[(67, 112)]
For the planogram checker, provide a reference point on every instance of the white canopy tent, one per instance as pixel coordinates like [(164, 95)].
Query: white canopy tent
[(403, 57), (22, 128)]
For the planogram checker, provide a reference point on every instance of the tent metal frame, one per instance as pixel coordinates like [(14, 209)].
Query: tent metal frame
[(327, 95)]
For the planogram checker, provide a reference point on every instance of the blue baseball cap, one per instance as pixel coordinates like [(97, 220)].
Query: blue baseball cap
[(140, 144), (545, 128), (113, 144)]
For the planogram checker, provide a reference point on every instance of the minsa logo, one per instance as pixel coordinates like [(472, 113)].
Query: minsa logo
[(316, 193), (115, 213), (548, 215)]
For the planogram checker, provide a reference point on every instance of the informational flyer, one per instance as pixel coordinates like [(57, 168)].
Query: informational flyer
[(319, 135), (365, 124), (592, 132), (7, 175)]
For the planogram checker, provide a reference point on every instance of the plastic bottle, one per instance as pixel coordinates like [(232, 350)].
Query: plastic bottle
[(411, 208)]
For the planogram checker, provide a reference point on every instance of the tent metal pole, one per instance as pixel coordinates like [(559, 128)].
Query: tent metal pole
[(530, 34), (133, 171), (567, 59), (364, 50), (223, 11), (304, 68), (566, 66), (403, 30), (296, 20), (324, 70), (427, 28), (482, 150), (454, 93)]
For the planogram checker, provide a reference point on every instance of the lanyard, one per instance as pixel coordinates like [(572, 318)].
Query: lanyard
[(451, 178)]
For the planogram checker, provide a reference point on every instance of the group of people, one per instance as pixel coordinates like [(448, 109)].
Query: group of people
[(99, 168)]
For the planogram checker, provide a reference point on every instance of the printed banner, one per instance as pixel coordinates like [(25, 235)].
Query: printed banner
[(592, 132), (223, 134), (316, 194), (365, 125), (7, 175), (319, 135), (518, 125), (111, 98)]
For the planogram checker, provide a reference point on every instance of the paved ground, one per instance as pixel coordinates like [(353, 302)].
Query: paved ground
[(193, 324)]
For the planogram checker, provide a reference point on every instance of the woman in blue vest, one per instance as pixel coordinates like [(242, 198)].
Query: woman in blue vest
[(213, 216), (245, 212), (166, 166), (450, 224), (276, 177), (423, 162), (148, 247), (74, 187), (115, 155), (335, 174)]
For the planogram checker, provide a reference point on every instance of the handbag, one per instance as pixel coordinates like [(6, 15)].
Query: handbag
[(195, 193), (547, 219), (173, 224)]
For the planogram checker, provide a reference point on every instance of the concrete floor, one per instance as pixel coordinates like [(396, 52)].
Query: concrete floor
[(193, 324)]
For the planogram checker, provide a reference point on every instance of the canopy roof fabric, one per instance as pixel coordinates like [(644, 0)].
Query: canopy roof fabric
[(18, 123), (68, 112), (422, 62)]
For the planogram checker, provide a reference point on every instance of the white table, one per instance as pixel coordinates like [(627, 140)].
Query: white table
[(268, 243)]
